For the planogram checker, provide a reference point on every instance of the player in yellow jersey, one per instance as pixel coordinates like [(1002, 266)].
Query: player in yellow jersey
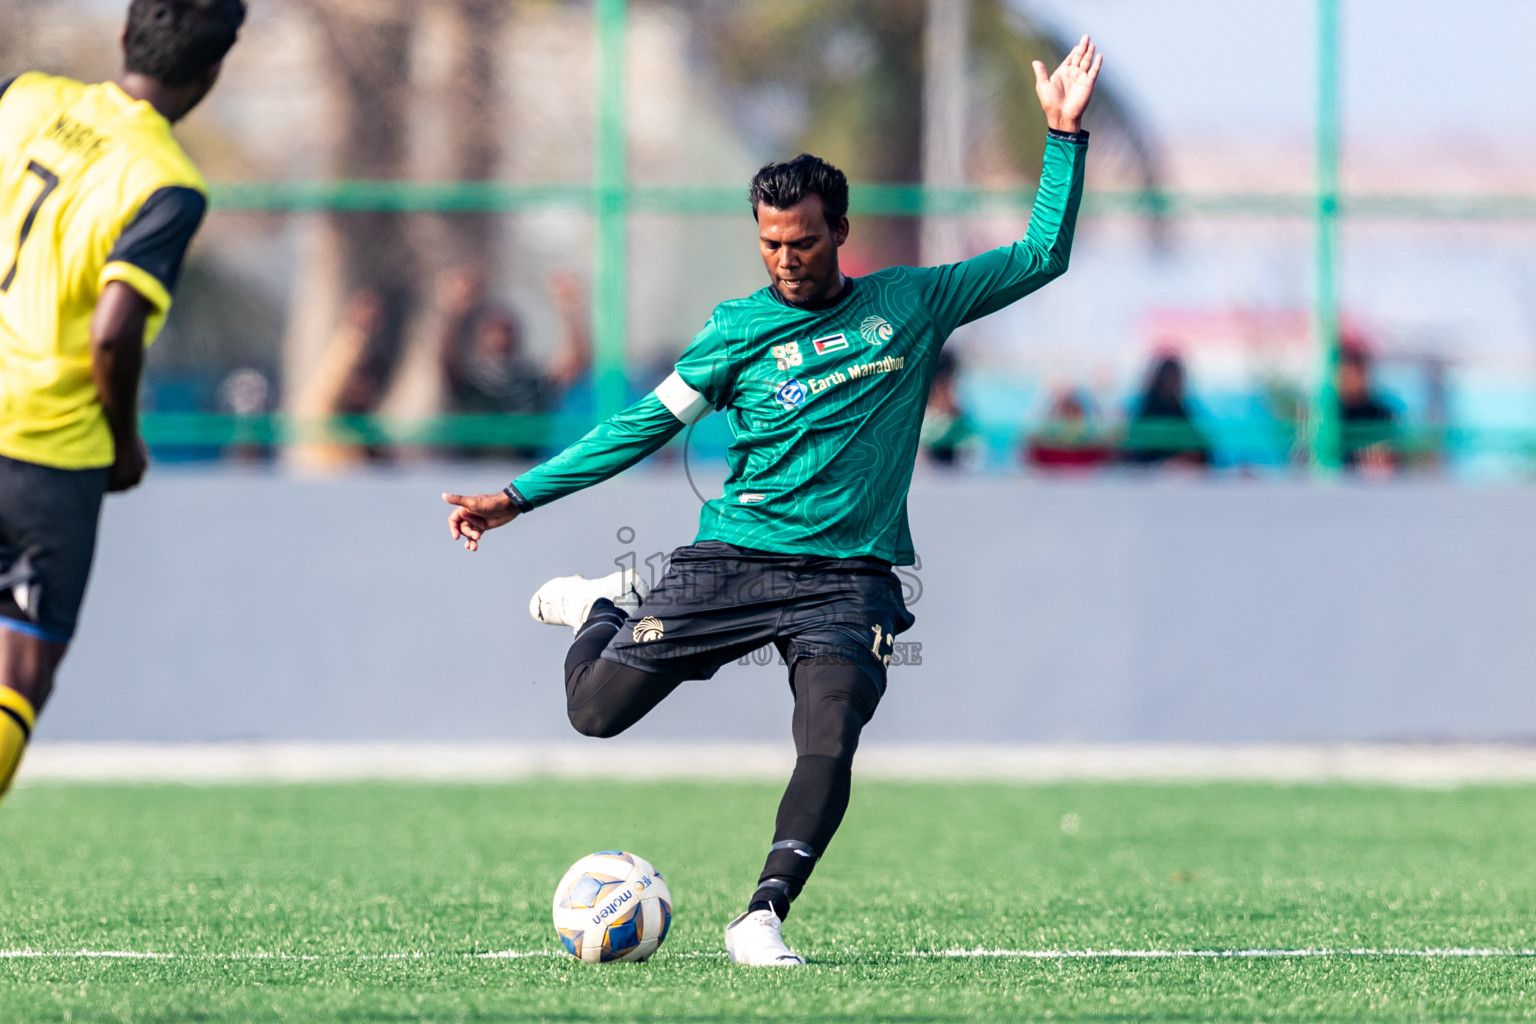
[(97, 206)]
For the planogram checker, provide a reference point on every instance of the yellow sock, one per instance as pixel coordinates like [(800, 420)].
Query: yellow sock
[(16, 721)]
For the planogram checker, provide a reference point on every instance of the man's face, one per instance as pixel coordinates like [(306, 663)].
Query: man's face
[(1354, 384), (496, 338), (800, 250)]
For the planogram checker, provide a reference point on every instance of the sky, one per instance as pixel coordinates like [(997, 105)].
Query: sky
[(1409, 67), (1416, 75)]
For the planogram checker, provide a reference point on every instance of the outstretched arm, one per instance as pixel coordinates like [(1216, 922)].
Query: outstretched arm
[(607, 450), (961, 292), (688, 394)]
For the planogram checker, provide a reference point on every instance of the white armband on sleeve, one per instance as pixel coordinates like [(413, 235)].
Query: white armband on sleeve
[(685, 403)]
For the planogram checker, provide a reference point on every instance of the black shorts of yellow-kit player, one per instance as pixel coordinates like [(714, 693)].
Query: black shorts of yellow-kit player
[(48, 519)]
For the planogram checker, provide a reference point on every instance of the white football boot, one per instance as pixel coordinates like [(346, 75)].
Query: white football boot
[(568, 600), (754, 939)]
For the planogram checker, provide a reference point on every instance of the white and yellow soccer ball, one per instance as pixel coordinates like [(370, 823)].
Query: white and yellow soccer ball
[(612, 906)]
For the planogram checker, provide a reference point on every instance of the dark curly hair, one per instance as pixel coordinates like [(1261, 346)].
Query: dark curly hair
[(782, 185), (175, 41)]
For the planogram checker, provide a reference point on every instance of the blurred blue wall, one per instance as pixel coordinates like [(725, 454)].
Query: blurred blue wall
[(229, 606)]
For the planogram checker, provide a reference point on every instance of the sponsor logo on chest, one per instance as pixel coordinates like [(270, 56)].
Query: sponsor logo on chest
[(876, 330), (791, 394), (853, 371)]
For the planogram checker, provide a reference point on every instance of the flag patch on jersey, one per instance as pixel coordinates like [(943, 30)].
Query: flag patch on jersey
[(831, 343)]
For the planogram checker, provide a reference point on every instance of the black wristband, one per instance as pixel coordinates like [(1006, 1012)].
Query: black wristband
[(1081, 135), (522, 504)]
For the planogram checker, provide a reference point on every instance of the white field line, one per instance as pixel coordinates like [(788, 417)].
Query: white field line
[(1215, 954), (82, 954), (995, 954), (1430, 765), (120, 954)]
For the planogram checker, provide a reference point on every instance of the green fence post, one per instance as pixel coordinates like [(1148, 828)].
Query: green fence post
[(1324, 434), (609, 294)]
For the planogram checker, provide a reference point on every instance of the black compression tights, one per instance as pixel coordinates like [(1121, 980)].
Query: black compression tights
[(834, 698), (602, 697)]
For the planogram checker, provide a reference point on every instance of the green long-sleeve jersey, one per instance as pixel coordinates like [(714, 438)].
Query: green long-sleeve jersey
[(825, 404)]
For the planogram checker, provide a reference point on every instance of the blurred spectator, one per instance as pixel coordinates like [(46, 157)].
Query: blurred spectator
[(247, 395), (485, 369), (345, 383), (1161, 431), (948, 432), (1366, 423), (245, 392), (1068, 440)]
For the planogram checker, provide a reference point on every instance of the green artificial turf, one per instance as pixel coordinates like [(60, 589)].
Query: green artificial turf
[(374, 898)]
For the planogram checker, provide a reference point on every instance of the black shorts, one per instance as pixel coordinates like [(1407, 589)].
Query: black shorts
[(48, 523), (718, 602)]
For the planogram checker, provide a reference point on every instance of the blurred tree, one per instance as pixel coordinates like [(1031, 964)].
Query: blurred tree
[(367, 51), (470, 112), (464, 143), (19, 31), (54, 37), (373, 78), (853, 69)]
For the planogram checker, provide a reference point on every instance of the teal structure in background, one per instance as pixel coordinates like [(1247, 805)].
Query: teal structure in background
[(1324, 435), (611, 197), (610, 295)]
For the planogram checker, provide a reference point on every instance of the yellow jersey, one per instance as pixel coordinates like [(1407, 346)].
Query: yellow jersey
[(93, 188)]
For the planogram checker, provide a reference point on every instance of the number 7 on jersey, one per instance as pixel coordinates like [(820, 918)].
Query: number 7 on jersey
[(50, 182)]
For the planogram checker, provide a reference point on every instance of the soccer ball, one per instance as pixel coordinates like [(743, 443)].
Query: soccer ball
[(612, 906)]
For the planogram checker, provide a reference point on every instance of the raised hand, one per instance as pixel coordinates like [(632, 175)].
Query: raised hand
[(1064, 95), (473, 514)]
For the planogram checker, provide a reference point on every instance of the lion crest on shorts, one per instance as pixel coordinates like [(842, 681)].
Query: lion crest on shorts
[(648, 629)]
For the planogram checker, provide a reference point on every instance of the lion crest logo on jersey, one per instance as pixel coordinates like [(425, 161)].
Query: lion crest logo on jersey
[(648, 629), (876, 329), (791, 394)]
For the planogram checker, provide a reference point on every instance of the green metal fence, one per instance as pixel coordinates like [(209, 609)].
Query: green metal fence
[(612, 197)]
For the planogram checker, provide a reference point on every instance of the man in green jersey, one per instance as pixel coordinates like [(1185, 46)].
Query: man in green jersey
[(824, 378)]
